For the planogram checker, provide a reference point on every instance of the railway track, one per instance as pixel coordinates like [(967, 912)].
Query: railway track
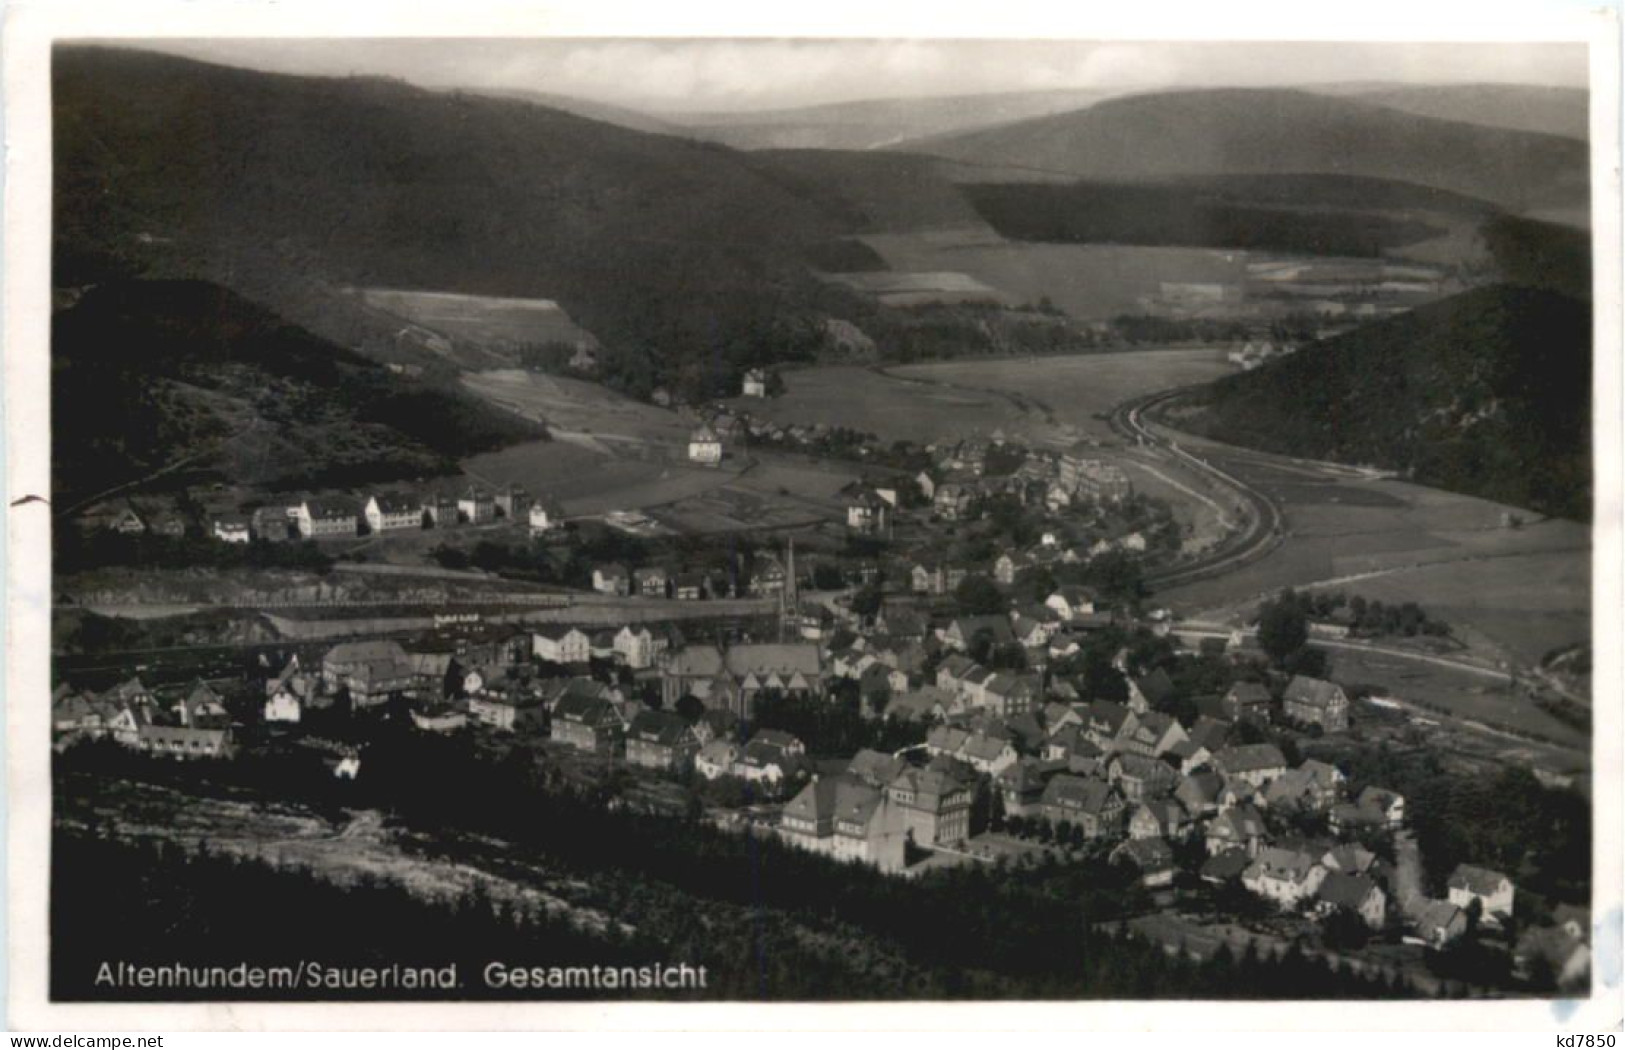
[(1264, 523)]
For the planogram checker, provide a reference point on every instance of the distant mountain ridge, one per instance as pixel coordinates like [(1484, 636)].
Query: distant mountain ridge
[(1518, 107), (1270, 131), (869, 124)]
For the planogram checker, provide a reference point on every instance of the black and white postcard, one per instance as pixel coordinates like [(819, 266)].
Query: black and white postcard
[(713, 520)]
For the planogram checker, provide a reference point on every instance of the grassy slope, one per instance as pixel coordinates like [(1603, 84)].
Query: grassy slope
[(146, 373), (1239, 131), (1487, 392)]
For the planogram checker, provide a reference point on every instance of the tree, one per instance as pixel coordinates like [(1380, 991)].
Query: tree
[(979, 596), (1283, 629), (690, 708), (866, 601)]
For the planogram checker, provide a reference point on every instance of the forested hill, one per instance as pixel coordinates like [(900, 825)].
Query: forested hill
[(1487, 393), (656, 244), (151, 374)]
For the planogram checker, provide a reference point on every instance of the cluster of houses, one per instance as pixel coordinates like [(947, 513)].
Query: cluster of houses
[(331, 517), (190, 722)]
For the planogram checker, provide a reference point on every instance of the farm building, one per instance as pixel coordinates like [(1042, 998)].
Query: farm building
[(705, 447), (755, 384)]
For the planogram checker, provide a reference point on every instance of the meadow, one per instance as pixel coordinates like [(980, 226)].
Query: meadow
[(485, 321), (1088, 281), (1510, 592)]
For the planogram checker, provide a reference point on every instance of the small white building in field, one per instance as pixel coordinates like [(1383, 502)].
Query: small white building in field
[(755, 383), (705, 447)]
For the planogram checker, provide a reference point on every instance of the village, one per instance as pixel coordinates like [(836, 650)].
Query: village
[(915, 699)]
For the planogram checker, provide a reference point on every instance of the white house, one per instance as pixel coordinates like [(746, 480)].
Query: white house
[(561, 645), (705, 447), (542, 518), (282, 706), (755, 384), (390, 511), (636, 646), (325, 518), (1492, 889)]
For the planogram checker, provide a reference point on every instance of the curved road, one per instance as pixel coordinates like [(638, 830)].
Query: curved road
[(1265, 525)]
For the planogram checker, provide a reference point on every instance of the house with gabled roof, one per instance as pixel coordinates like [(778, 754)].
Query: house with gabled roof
[(1247, 702), (1084, 802), (1439, 923), (1140, 778), (588, 723), (561, 644), (1236, 827), (1314, 787), (1151, 857), (1358, 894), (845, 818), (875, 767), (651, 581), (320, 518), (1149, 691), (1158, 819), (1314, 701), (1350, 858), (716, 758), (1199, 793), (1254, 764), (1286, 877), (1021, 785), (1151, 733), (393, 512), (1071, 601), (611, 578), (1493, 890), (935, 802), (1106, 722), (661, 740), (1374, 809)]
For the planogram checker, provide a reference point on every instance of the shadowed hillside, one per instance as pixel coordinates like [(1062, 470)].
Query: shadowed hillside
[(1487, 392), (664, 248), (154, 373)]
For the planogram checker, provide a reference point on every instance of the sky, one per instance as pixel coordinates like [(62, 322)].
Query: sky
[(675, 76)]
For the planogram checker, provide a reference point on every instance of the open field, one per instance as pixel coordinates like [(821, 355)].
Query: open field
[(484, 321), (576, 407), (1511, 593), (1047, 401), (1466, 695), (1092, 282), (893, 288), (1072, 394)]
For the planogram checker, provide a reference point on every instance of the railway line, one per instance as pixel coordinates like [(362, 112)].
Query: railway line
[(1263, 522)]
